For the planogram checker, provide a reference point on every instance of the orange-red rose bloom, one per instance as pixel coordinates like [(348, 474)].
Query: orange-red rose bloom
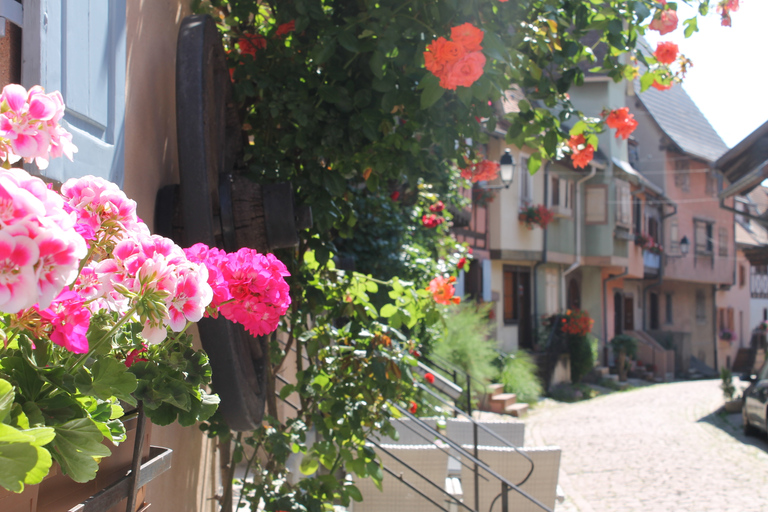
[(582, 153), (442, 290), (660, 86), (468, 36), (250, 43), (483, 171), (664, 22), (441, 54), (622, 121), (464, 72), (666, 52)]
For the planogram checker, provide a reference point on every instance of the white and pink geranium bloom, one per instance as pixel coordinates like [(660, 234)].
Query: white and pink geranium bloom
[(29, 126), (65, 256)]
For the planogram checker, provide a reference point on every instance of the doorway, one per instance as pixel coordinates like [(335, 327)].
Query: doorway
[(629, 313), (654, 311), (618, 317)]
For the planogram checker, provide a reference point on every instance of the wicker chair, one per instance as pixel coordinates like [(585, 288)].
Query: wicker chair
[(460, 432), (428, 460), (505, 461)]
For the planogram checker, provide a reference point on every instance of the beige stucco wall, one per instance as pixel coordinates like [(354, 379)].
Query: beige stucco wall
[(151, 162)]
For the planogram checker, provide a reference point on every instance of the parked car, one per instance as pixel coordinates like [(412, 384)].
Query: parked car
[(755, 408)]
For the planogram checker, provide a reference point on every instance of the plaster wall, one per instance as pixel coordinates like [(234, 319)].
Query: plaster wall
[(758, 311), (507, 233), (738, 298), (151, 162), (561, 232), (598, 94)]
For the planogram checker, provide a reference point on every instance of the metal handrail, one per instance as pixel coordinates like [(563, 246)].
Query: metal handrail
[(484, 429), (475, 460)]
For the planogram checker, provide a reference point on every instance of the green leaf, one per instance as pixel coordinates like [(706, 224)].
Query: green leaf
[(432, 91), (534, 163), (6, 398), (387, 310), (353, 492), (646, 81), (349, 42), (75, 447), (308, 465), (109, 377), (578, 128), (691, 26), (22, 464)]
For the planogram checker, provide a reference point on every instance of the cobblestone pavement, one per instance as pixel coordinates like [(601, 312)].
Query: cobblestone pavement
[(654, 449)]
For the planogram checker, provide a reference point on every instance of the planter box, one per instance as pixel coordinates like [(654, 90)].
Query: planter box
[(23, 502), (733, 406), (58, 493)]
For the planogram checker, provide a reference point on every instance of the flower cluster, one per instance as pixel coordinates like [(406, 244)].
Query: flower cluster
[(622, 121), (442, 290), (665, 19), (29, 126), (65, 257), (725, 8), (458, 61), (538, 215), (431, 221), (248, 288), (648, 243), (484, 170), (581, 151), (576, 322)]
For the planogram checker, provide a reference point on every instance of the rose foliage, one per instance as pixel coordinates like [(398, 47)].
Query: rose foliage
[(365, 106)]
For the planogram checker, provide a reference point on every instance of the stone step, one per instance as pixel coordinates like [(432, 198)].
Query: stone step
[(612, 376), (603, 370), (501, 401), (517, 410), (495, 389)]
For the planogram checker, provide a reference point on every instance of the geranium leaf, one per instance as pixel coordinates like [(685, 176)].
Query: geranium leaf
[(108, 378), (76, 444), (22, 463), (6, 399)]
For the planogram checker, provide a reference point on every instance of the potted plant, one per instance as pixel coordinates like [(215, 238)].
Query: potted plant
[(94, 310), (732, 405), (623, 345), (538, 215)]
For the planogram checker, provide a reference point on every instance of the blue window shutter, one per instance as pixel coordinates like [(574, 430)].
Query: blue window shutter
[(83, 55)]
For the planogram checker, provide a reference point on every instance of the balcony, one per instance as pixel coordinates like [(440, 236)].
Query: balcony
[(651, 263)]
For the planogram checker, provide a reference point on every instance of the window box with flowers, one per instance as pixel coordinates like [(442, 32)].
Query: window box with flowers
[(538, 215), (727, 335), (94, 309)]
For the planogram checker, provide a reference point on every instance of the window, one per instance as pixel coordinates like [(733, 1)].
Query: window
[(526, 184), (712, 185), (703, 233), (596, 199), (559, 196), (638, 216), (555, 191), (701, 307), (682, 176), (653, 229), (623, 204), (723, 242), (742, 276), (668, 310), (674, 238)]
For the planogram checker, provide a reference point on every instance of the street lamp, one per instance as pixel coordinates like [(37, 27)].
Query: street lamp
[(684, 245), (507, 168)]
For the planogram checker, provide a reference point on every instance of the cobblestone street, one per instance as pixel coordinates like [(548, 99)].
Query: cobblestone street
[(654, 449)]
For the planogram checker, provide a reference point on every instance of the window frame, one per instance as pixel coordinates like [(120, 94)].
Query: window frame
[(623, 204), (589, 217)]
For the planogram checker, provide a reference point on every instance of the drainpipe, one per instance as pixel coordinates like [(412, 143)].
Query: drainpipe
[(576, 264), (714, 322), (543, 249), (605, 311)]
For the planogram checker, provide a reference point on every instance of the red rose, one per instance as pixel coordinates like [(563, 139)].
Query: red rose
[(582, 152), (429, 378), (666, 52), (660, 86), (464, 72), (395, 195), (622, 121), (468, 36), (249, 43), (437, 207), (413, 408), (461, 263), (285, 28), (664, 21)]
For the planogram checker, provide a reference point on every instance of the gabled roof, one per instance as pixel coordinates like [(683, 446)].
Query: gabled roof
[(745, 165), (682, 121)]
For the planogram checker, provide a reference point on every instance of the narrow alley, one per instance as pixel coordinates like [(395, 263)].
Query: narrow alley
[(654, 449)]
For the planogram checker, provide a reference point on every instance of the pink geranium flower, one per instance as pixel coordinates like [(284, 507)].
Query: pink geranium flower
[(70, 321)]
